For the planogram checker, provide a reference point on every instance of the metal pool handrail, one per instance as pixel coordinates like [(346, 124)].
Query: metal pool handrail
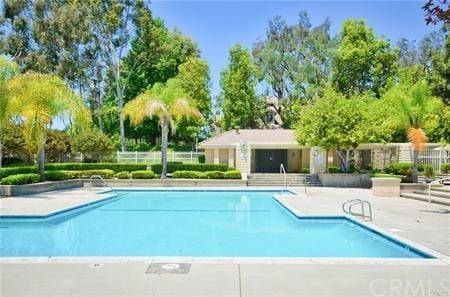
[(283, 171), (435, 182), (351, 203), (97, 177)]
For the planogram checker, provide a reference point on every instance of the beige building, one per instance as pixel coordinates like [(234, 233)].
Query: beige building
[(264, 150)]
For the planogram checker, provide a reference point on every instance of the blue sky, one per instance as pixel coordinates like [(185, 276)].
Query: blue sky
[(218, 25)]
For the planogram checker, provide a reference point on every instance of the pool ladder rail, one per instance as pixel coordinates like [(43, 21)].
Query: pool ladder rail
[(348, 206), (100, 178), (285, 183)]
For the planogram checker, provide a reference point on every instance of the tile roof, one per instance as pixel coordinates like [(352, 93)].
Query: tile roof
[(253, 136)]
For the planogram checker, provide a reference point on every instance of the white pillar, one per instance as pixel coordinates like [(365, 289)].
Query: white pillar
[(216, 156), (230, 157)]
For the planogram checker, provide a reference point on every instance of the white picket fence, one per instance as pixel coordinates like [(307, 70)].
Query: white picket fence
[(434, 157), (433, 154), (155, 157)]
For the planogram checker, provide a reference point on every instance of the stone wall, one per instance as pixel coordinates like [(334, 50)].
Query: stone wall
[(345, 180), (23, 190)]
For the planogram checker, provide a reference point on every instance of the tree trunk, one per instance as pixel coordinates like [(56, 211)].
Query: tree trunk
[(1, 147), (100, 123), (1, 154), (415, 173), (119, 100), (345, 159), (164, 135), (122, 131), (41, 162)]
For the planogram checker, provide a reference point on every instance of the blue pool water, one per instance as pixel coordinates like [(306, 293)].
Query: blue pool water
[(193, 223)]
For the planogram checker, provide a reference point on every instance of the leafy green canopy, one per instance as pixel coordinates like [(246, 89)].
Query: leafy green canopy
[(43, 98), (295, 60), (413, 106), (362, 61), (335, 122), (168, 102), (240, 106)]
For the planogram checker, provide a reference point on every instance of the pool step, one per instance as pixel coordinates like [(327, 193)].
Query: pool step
[(438, 194), (434, 193), (274, 179)]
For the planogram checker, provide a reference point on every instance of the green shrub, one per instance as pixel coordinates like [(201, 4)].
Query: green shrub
[(141, 147), (428, 171), (93, 145), (403, 168), (214, 174), (188, 174), (232, 174), (334, 169), (123, 175), (20, 179), (6, 171), (172, 167), (105, 173), (55, 175), (445, 168), (305, 170), (143, 174), (201, 159), (116, 167)]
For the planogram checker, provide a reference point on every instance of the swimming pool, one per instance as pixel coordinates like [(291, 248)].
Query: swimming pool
[(194, 223)]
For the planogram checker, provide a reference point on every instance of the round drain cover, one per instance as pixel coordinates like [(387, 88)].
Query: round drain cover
[(170, 266)]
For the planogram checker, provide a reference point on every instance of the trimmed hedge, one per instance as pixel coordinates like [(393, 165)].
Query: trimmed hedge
[(143, 174), (215, 174), (123, 175), (20, 179), (234, 174), (334, 169), (6, 171), (54, 175), (403, 168), (445, 168), (116, 167), (172, 167), (188, 174), (305, 170)]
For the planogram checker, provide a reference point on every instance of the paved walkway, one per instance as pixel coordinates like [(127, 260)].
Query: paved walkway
[(45, 204), (427, 224), (114, 280), (418, 221)]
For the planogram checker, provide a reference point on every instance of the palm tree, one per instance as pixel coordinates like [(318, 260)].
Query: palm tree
[(169, 104), (7, 107), (42, 99), (417, 112)]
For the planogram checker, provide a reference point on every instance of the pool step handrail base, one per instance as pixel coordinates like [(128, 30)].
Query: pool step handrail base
[(348, 205)]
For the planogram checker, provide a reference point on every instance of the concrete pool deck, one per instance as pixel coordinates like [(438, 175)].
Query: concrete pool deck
[(49, 203), (428, 225)]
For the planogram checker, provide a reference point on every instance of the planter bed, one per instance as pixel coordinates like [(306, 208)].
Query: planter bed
[(23, 190), (345, 180), (171, 182)]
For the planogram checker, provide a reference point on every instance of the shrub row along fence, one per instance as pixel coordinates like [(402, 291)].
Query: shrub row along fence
[(64, 171)]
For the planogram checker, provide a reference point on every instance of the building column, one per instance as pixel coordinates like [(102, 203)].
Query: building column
[(216, 156), (230, 157)]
